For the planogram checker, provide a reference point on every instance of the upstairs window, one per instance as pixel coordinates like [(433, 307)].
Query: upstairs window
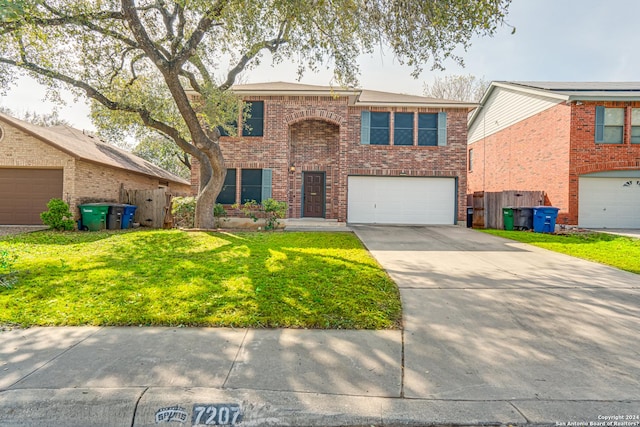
[(471, 160), (403, 129), (254, 120), (635, 125), (227, 195), (432, 129), (374, 128), (609, 125)]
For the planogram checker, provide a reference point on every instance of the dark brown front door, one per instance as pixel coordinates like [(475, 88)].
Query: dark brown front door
[(313, 195)]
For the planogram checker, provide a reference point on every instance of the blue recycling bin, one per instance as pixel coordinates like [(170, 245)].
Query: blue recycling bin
[(544, 219), (127, 216)]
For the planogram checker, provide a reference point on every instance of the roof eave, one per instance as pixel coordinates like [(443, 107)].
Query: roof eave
[(276, 92), (466, 106), (604, 98)]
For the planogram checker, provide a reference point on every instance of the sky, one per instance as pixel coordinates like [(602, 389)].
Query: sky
[(555, 40)]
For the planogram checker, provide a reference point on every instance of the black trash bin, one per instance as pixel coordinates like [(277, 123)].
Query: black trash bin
[(522, 218), (469, 217), (114, 216)]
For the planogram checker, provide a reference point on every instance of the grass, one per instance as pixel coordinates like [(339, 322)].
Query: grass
[(171, 277), (617, 251)]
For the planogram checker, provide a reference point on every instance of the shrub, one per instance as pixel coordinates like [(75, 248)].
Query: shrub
[(7, 275), (271, 209), (58, 216), (220, 214), (183, 210)]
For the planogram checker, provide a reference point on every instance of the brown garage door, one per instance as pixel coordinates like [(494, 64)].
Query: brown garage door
[(24, 194)]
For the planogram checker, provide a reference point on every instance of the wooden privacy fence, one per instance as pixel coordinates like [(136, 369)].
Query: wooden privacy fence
[(153, 207), (487, 207)]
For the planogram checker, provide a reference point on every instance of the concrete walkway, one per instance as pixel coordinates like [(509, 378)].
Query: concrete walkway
[(495, 332)]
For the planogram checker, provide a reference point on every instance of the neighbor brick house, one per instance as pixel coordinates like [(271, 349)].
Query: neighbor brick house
[(578, 142), (40, 163), (349, 154)]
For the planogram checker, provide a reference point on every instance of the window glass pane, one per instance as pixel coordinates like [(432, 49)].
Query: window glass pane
[(635, 116), (403, 129), (613, 134), (379, 136), (635, 134), (403, 120), (428, 130), (380, 120), (251, 185), (427, 121), (428, 137), (254, 124), (379, 129), (403, 137), (613, 116), (228, 194)]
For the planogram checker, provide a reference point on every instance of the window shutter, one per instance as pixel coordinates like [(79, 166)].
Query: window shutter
[(365, 127), (442, 129), (599, 124), (266, 184)]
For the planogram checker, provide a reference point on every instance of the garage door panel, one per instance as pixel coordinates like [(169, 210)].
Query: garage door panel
[(401, 200), (26, 192), (609, 202)]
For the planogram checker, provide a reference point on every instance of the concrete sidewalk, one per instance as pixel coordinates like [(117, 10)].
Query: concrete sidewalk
[(495, 332)]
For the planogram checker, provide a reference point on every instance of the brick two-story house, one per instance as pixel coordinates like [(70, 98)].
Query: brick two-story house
[(578, 142), (349, 154)]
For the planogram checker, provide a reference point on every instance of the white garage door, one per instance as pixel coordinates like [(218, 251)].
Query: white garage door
[(609, 202), (401, 200)]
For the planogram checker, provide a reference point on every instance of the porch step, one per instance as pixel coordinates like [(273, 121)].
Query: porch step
[(314, 224)]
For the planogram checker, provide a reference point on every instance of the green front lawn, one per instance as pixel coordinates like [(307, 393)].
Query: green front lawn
[(617, 251), (171, 277)]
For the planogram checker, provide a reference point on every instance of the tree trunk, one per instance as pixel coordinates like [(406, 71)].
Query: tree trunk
[(212, 174)]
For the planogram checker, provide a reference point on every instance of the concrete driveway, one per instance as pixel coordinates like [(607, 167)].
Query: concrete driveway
[(489, 319)]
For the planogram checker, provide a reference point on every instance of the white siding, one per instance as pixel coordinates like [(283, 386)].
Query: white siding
[(504, 108)]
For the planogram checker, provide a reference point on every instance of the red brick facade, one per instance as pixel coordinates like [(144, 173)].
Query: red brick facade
[(550, 151), (322, 133)]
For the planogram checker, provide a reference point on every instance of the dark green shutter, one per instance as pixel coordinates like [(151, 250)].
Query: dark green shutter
[(266, 184), (365, 127), (599, 124), (442, 129)]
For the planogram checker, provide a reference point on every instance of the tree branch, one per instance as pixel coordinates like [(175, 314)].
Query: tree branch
[(204, 25), (93, 93)]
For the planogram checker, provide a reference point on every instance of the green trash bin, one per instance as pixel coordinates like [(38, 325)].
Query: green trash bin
[(507, 216), (94, 216)]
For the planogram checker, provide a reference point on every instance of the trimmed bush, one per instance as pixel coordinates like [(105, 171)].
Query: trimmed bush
[(58, 217)]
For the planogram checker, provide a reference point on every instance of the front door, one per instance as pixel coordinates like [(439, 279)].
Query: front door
[(313, 195)]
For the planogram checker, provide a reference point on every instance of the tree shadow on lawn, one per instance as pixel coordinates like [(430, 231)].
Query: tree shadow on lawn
[(258, 280)]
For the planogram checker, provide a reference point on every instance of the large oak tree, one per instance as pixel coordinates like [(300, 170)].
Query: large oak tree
[(140, 61)]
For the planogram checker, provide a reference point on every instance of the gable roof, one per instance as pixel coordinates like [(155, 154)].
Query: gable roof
[(89, 148), (566, 91), (357, 97)]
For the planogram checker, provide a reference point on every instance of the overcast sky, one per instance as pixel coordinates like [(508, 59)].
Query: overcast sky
[(555, 40)]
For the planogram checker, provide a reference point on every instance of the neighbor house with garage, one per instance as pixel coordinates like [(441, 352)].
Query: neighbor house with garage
[(578, 142), (40, 163), (351, 155)]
